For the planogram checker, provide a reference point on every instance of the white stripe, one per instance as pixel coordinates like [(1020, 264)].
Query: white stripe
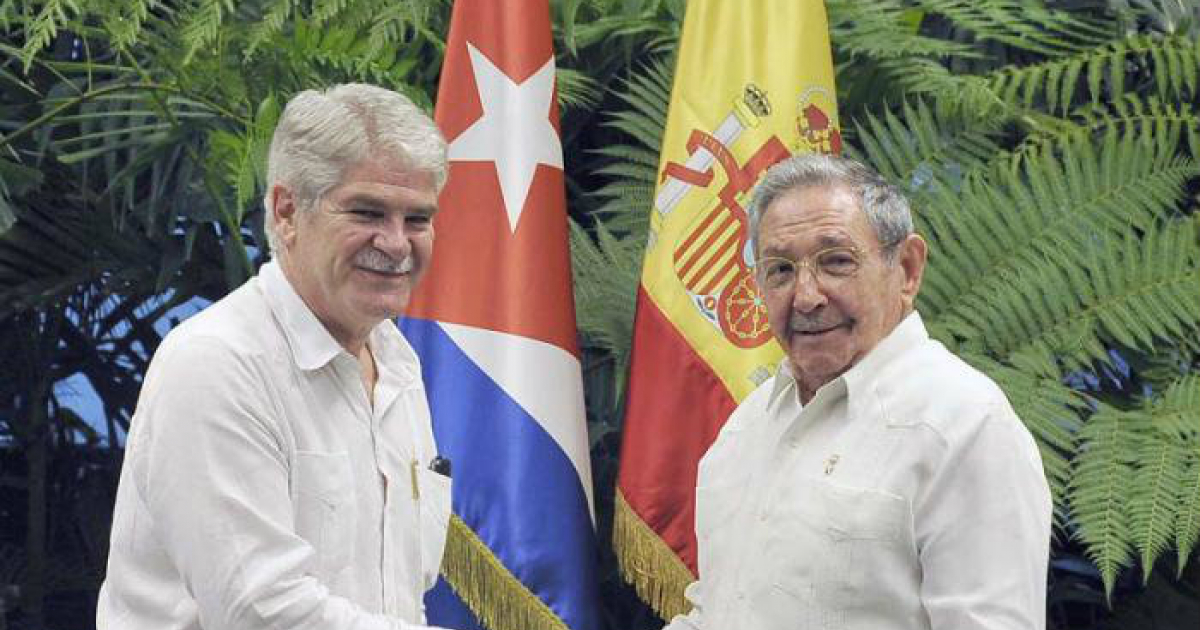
[(545, 380)]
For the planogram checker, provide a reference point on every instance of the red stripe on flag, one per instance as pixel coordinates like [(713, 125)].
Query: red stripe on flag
[(489, 25), (676, 404), (484, 274), (687, 243), (707, 245), (718, 279)]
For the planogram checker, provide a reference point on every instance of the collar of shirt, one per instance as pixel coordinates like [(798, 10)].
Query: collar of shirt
[(909, 333), (310, 342)]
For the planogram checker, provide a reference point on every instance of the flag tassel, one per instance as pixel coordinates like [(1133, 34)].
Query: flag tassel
[(485, 585), (656, 572)]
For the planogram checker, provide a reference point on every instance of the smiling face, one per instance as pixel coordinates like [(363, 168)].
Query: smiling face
[(826, 327), (356, 257)]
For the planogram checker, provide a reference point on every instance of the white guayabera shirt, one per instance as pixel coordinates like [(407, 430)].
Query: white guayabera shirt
[(262, 490), (906, 495)]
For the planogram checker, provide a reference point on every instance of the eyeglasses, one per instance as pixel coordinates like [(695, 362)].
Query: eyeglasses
[(830, 267)]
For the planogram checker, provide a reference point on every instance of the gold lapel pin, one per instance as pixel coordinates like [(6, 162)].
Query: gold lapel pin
[(831, 463)]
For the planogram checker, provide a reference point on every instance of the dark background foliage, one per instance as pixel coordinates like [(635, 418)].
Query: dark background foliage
[(131, 166)]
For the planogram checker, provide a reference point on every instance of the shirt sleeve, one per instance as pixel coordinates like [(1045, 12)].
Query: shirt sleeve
[(692, 620), (983, 529), (209, 464)]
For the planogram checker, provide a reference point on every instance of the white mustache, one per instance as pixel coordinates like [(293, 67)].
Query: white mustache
[(801, 324), (375, 260)]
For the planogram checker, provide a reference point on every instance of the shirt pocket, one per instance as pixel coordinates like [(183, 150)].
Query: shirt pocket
[(841, 544), (324, 508), (859, 514), (435, 520)]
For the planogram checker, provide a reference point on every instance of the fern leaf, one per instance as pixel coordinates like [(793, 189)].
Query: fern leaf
[(1187, 522), (1097, 492), (918, 149), (40, 32), (1172, 455), (202, 24), (607, 272), (1056, 82), (1031, 223), (885, 29), (1154, 491), (577, 90), (124, 25), (270, 25), (1020, 25), (1143, 290)]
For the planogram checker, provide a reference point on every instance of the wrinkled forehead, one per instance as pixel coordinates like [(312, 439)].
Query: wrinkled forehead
[(808, 219), (385, 182)]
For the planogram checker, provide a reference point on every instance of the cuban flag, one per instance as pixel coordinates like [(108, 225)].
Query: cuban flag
[(494, 324)]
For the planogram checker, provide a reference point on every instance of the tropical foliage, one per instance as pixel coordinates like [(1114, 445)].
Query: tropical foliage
[(1050, 149), (1051, 155)]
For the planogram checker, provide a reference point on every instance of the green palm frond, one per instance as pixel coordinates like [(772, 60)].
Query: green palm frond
[(913, 147), (1098, 491), (886, 29), (240, 159), (1138, 291), (577, 90), (1043, 210), (271, 24), (40, 29), (1020, 25), (1155, 507), (1170, 122), (201, 23), (1187, 522), (632, 167), (125, 21), (607, 271), (1177, 418), (1154, 492), (625, 203), (1172, 63), (953, 93)]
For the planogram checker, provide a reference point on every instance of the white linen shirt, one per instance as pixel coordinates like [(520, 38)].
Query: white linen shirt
[(262, 490), (906, 495)]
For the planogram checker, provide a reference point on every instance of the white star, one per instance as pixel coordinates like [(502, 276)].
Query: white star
[(514, 131)]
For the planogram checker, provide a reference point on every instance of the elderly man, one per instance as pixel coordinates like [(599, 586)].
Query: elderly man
[(277, 472), (876, 481)]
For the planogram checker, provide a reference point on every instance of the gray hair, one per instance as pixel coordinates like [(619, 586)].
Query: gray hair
[(886, 207), (322, 133)]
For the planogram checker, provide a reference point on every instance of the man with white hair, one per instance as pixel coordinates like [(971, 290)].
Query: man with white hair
[(876, 481), (278, 468)]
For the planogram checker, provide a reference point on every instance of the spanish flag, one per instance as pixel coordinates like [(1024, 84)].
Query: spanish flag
[(753, 84)]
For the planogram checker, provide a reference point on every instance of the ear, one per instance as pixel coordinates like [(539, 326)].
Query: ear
[(913, 251), (284, 214)]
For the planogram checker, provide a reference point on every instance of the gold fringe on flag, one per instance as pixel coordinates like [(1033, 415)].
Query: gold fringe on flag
[(657, 574), (496, 597)]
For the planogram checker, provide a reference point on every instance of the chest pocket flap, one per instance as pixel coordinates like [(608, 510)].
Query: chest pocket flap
[(435, 520)]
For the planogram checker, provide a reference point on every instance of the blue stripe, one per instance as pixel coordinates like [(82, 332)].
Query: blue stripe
[(513, 485), (444, 608)]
